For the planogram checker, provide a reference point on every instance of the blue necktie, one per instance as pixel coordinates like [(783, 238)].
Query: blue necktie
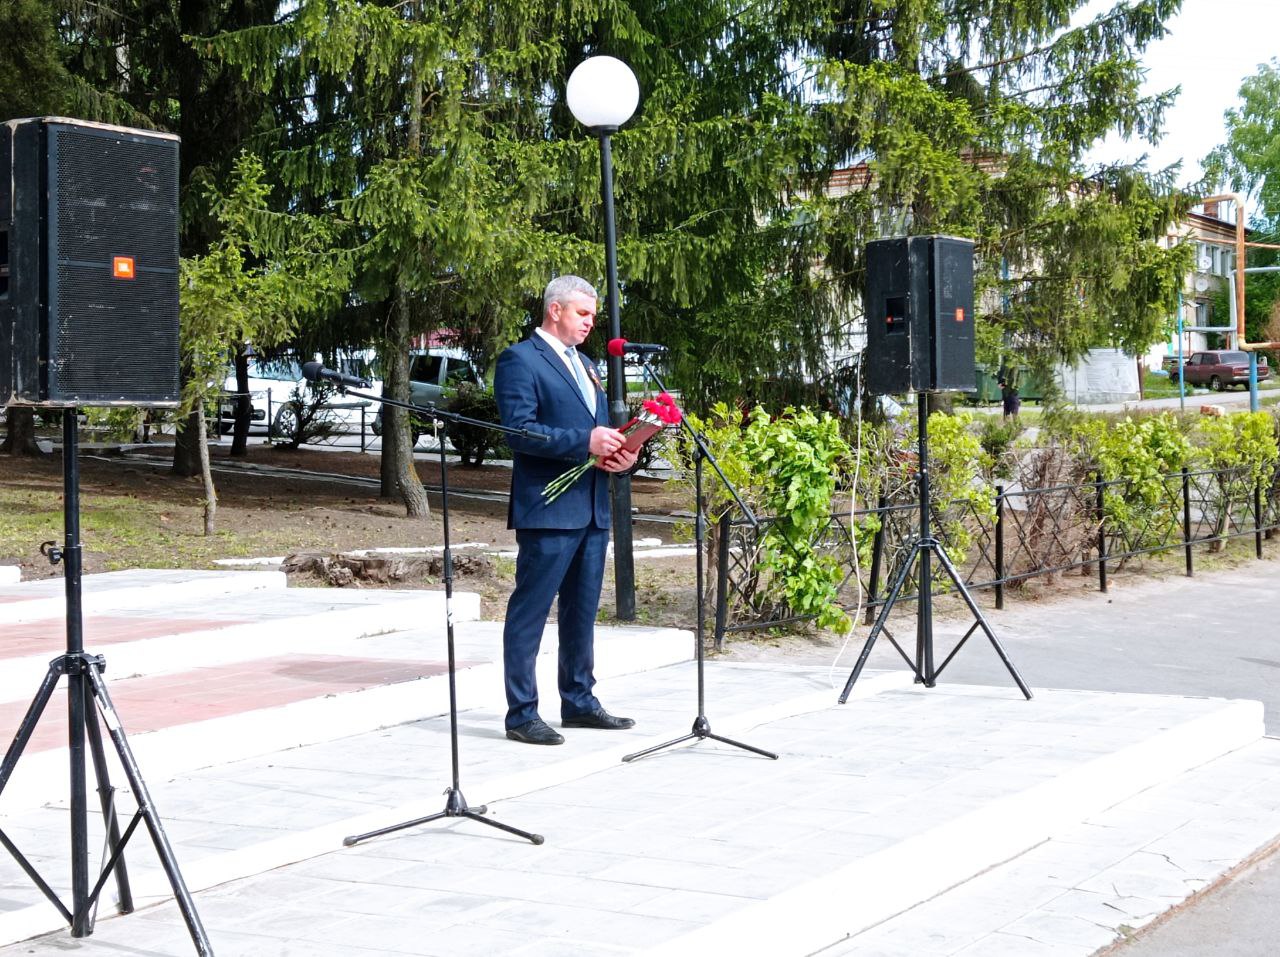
[(584, 387)]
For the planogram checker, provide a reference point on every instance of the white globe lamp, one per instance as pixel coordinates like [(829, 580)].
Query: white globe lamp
[(602, 93)]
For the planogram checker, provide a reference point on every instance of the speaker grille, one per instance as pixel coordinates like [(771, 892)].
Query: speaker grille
[(113, 339)]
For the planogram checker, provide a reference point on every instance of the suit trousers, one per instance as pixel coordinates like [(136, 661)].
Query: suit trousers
[(551, 562)]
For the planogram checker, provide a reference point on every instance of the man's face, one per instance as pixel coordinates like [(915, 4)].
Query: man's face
[(571, 321)]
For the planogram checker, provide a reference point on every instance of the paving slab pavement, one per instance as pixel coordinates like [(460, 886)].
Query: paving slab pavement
[(1213, 634), (957, 820), (893, 798), (135, 588)]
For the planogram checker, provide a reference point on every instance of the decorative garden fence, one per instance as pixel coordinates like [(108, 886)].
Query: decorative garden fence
[(1091, 527)]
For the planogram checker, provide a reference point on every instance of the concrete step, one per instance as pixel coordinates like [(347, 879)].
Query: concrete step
[(1104, 878), (977, 820), (175, 632), (211, 768), (183, 720), (137, 588), (874, 808)]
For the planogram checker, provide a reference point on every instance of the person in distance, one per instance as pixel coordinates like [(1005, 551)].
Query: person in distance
[(544, 384)]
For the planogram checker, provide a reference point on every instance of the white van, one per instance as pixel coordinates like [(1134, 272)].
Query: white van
[(273, 383)]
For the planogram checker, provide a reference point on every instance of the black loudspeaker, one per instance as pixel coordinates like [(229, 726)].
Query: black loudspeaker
[(88, 264), (919, 307)]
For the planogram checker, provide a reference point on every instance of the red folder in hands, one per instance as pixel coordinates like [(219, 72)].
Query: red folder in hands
[(639, 434)]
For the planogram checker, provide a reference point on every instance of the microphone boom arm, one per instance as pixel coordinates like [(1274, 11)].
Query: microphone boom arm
[(706, 454), (441, 415)]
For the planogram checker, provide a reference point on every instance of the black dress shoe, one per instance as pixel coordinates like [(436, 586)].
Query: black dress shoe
[(536, 731), (597, 719)]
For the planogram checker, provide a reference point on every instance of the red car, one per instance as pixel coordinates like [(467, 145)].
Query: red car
[(1219, 368)]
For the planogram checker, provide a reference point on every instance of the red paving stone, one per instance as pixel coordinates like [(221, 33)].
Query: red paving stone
[(164, 701), (49, 635)]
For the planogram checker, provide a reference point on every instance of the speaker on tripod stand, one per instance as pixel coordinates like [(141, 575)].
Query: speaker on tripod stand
[(920, 338), (88, 317)]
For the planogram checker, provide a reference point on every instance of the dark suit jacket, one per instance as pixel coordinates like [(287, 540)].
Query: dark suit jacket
[(535, 391)]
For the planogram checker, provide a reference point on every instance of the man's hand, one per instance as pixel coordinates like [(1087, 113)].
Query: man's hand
[(620, 461), (604, 441)]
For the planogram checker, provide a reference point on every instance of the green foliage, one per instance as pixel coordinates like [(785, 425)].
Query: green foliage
[(997, 438), (1243, 440), (265, 272), (958, 463), (1250, 159), (786, 467), (1250, 162), (437, 135), (116, 422), (976, 119), (1136, 455), (433, 141), (33, 79)]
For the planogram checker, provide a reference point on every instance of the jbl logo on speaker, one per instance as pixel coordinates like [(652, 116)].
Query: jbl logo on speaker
[(919, 309), (88, 264)]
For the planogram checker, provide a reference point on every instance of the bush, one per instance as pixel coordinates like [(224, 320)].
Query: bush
[(785, 467), (305, 417), (1137, 455), (473, 443), (997, 437)]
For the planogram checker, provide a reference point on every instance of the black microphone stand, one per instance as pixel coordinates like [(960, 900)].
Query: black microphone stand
[(87, 697), (455, 804), (701, 726)]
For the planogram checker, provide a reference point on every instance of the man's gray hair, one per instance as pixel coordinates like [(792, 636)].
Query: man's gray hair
[(562, 287)]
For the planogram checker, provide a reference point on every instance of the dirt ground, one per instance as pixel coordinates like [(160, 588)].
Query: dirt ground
[(136, 513), (276, 502)]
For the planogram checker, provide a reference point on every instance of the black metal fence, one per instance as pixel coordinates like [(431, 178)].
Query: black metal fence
[(1089, 527)]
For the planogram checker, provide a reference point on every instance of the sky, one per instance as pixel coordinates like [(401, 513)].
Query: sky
[(1212, 45)]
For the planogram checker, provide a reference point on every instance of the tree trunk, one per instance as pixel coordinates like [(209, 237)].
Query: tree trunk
[(186, 446), (400, 433), (389, 463), (243, 406), (397, 437), (206, 476), (20, 432)]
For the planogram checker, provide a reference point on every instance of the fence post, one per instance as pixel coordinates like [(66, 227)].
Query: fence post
[(1102, 536), (999, 547), (362, 445), (877, 551), (1186, 519), (722, 579), (1257, 517)]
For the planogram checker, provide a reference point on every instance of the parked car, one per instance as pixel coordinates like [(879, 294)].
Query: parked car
[(433, 375), (1219, 368), (273, 382)]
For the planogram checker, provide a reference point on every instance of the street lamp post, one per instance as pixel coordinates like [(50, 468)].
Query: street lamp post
[(602, 93)]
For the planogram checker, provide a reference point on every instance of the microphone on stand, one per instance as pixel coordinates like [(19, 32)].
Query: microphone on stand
[(314, 372), (616, 347)]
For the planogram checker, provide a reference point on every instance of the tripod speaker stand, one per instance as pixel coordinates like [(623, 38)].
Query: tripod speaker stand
[(455, 804), (925, 548), (87, 697), (701, 726)]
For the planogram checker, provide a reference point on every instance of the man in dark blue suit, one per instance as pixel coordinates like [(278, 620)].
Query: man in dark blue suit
[(545, 385)]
